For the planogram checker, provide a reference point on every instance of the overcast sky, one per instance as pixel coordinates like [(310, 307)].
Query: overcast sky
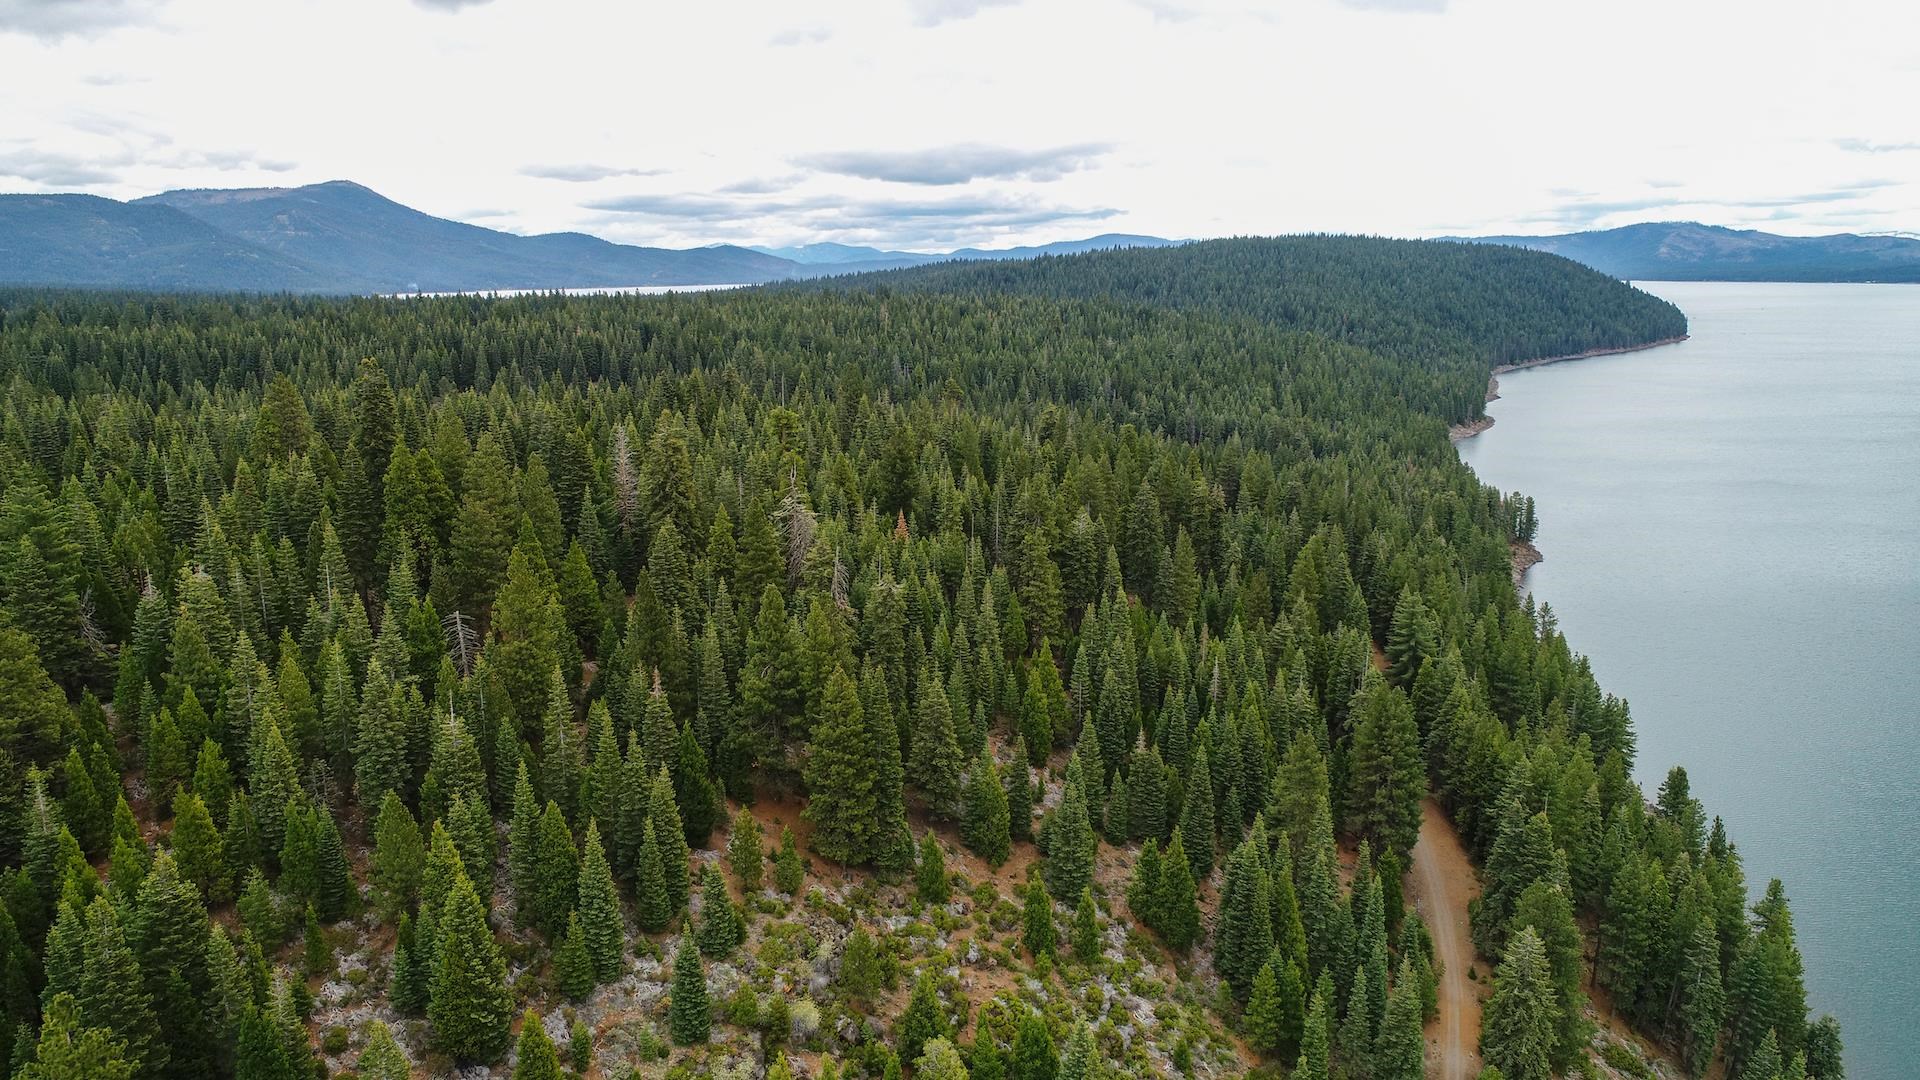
[(941, 123)]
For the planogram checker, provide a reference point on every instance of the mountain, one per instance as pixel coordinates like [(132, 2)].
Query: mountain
[(831, 258), (1689, 251), (361, 235), (89, 241)]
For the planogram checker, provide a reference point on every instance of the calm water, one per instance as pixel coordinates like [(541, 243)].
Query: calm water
[(1732, 532)]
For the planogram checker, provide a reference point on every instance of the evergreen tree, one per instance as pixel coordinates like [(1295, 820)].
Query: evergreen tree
[(935, 764), (931, 884), (688, 1017), (1039, 935), (556, 872), (653, 906), (535, 1058), (923, 1020), (746, 851), (197, 847), (1387, 775), (1070, 846), (382, 1058), (1399, 1051), (1196, 817), (1315, 1041), (721, 927), (789, 869), (985, 824), (599, 909), (1243, 932), (69, 1049), (1086, 929), (938, 1060), (1702, 1000), (1518, 1029), (398, 858), (470, 1000), (840, 780), (663, 812), (1177, 905), (572, 965), (1019, 793)]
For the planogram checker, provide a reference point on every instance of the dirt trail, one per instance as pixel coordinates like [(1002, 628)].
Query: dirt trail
[(1443, 881)]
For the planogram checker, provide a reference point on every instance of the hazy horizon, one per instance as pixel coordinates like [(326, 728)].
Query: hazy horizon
[(936, 124)]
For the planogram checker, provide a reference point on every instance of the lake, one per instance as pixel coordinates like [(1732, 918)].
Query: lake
[(1732, 532)]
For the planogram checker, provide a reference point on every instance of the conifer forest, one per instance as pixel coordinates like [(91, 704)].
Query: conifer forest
[(1037, 670)]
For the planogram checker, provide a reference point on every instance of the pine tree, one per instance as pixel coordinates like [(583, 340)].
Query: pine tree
[(1071, 846), (840, 780), (1399, 1051), (522, 843), (572, 965), (1143, 888), (1019, 784), (1265, 1021), (864, 969), (556, 872), (1177, 905), (1702, 1000), (931, 883), (653, 907), (471, 1002), (535, 1058), (1196, 816), (939, 1060), (664, 811), (935, 764), (398, 858), (1039, 935), (746, 850), (599, 909), (69, 1049), (985, 824), (1518, 1029), (1315, 1041), (789, 869), (1243, 933), (1033, 1054), (893, 852), (197, 847), (923, 1020), (721, 927), (1354, 1036), (410, 976), (1387, 775), (382, 1058), (112, 994), (688, 1013), (1085, 934), (380, 745)]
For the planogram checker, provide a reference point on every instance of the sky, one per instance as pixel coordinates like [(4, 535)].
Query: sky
[(933, 124)]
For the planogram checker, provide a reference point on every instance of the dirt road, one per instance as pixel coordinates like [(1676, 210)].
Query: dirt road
[(1442, 883)]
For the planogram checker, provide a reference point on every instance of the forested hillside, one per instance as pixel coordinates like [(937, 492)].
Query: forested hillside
[(1447, 309), (840, 683)]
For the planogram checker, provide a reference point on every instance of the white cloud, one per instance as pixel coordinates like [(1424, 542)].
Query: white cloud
[(54, 20), (992, 125)]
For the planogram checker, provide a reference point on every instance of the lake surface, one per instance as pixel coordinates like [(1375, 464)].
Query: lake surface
[(1732, 532)]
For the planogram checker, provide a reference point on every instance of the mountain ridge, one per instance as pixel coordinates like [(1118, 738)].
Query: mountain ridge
[(340, 236), (1691, 251)]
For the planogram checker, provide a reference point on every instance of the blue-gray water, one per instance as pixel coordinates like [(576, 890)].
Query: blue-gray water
[(1732, 532)]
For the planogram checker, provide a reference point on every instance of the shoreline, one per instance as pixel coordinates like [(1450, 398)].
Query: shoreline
[(1468, 430)]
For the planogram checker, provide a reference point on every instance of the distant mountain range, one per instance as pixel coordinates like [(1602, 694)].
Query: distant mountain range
[(1688, 251), (340, 237)]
